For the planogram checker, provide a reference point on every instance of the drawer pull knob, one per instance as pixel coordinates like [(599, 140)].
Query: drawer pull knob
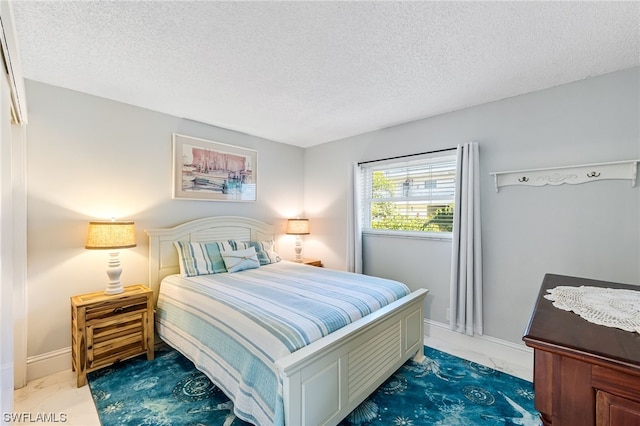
[(118, 310)]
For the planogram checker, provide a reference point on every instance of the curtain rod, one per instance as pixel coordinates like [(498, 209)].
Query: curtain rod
[(408, 155)]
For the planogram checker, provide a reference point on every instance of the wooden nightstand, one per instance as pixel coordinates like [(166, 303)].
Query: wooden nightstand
[(312, 262), (109, 328)]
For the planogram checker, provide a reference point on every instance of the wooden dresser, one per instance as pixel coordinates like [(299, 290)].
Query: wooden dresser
[(584, 374)]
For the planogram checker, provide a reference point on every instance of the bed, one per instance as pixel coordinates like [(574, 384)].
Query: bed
[(321, 382)]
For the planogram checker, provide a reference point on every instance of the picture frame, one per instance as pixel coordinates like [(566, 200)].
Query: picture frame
[(213, 171)]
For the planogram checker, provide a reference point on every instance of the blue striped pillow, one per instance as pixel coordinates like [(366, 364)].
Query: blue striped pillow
[(239, 245), (199, 258), (266, 252)]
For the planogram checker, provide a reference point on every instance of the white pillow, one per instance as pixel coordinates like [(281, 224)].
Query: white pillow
[(239, 260)]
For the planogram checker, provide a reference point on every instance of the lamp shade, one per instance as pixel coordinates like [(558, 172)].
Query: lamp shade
[(298, 227), (110, 235)]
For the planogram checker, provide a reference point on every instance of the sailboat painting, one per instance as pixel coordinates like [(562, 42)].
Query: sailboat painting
[(213, 171)]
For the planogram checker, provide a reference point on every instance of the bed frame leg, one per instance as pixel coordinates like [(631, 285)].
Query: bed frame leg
[(419, 356)]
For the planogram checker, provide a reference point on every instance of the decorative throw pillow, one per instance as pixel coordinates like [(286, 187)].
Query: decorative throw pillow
[(199, 258), (239, 260), (266, 252)]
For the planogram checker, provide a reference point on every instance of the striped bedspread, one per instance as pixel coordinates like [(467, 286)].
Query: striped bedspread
[(235, 326)]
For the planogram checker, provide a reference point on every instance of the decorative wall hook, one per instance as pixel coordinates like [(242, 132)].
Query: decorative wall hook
[(593, 174)]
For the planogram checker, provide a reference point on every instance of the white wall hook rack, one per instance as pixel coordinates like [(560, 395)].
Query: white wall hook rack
[(573, 175)]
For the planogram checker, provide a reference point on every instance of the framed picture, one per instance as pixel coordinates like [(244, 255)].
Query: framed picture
[(213, 171)]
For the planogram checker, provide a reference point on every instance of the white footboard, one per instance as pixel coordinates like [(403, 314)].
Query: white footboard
[(326, 380)]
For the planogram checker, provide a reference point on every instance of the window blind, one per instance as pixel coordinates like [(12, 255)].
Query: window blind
[(409, 195)]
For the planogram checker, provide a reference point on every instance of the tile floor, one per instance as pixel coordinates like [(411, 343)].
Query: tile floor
[(58, 397)]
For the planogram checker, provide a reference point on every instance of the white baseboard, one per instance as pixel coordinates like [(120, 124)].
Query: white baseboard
[(48, 363), (513, 353), (55, 361)]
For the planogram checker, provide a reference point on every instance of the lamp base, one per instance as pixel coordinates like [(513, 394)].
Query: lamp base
[(298, 249), (114, 271), (114, 289)]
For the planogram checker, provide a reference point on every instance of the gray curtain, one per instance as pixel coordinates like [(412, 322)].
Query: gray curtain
[(354, 221), (466, 260)]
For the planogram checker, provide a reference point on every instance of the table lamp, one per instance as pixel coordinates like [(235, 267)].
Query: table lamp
[(111, 236), (298, 227)]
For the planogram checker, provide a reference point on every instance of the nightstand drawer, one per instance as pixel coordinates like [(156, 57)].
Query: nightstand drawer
[(115, 339), (110, 334), (100, 311)]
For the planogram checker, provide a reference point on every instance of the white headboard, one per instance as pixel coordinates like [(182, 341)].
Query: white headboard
[(163, 257)]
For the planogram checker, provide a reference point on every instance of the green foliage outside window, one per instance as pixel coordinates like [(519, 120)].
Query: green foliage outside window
[(386, 214), (441, 221)]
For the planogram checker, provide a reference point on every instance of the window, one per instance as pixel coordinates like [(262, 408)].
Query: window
[(409, 196)]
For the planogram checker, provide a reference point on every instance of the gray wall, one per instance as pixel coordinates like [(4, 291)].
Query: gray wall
[(589, 230), (89, 159)]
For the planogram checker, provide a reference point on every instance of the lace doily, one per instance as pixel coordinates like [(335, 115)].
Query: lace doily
[(603, 306)]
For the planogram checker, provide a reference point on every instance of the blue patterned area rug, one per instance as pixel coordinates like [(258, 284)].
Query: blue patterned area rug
[(444, 390)]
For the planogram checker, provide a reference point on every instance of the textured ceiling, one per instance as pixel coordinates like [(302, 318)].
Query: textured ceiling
[(305, 73)]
